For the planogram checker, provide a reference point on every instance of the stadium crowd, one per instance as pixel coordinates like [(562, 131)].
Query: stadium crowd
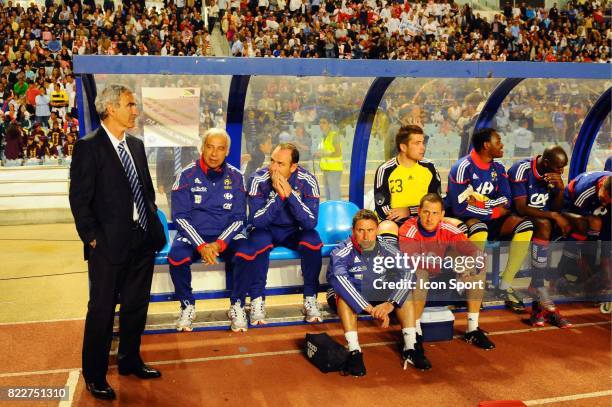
[(418, 31), (37, 85)]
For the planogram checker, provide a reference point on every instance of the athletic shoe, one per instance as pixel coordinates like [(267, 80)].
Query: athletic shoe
[(311, 310), (257, 314), (237, 314), (555, 318), (415, 358), (354, 364), (511, 300), (185, 319), (419, 343), (479, 338), (537, 314)]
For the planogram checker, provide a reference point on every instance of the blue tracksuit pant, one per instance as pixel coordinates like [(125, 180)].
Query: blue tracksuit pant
[(254, 256)]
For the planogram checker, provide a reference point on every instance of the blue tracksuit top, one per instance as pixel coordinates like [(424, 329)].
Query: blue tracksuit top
[(349, 266), (299, 210), (525, 181), (581, 194), (208, 202), (488, 179)]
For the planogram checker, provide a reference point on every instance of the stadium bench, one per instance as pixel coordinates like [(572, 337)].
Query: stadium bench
[(334, 225)]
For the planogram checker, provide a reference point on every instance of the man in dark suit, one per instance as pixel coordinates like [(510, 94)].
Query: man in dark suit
[(113, 204)]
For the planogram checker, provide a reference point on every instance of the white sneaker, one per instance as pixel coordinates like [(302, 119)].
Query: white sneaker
[(185, 319), (238, 316), (311, 310), (258, 311)]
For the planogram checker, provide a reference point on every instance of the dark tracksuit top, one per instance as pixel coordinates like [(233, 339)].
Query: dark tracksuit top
[(349, 266), (208, 204)]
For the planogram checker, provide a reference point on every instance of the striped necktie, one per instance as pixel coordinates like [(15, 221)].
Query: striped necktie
[(135, 185), (177, 161)]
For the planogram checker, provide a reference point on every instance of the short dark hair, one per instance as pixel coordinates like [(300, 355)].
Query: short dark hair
[(482, 136), (404, 132), (432, 197), (364, 214), (295, 154)]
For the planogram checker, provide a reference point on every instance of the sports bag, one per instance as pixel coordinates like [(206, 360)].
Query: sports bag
[(325, 353)]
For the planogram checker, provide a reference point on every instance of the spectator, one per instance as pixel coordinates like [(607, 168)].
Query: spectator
[(54, 45), (58, 98), (30, 96), (23, 117), (56, 135), (70, 123), (42, 107), (523, 138), (69, 144), (20, 87), (14, 145), (331, 160), (41, 51), (31, 149), (262, 148)]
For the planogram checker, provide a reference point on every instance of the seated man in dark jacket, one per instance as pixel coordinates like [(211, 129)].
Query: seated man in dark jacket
[(353, 273)]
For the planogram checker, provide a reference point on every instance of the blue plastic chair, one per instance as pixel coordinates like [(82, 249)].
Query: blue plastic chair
[(335, 221), (334, 225), (162, 256)]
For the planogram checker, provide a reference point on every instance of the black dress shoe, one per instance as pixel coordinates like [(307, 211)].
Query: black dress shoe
[(101, 390), (142, 372)]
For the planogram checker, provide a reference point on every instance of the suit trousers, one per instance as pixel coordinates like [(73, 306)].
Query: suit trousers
[(127, 283)]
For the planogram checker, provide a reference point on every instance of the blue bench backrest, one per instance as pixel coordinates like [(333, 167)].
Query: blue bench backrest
[(335, 221), (334, 225)]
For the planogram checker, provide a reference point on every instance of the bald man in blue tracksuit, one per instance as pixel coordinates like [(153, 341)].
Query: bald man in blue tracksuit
[(283, 202)]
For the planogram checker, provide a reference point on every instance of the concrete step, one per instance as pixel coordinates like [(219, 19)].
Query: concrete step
[(218, 319), (219, 43), (33, 174), (277, 315)]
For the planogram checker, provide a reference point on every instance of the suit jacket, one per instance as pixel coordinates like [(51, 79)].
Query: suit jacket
[(101, 198)]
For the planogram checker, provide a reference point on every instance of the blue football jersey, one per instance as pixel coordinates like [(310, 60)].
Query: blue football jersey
[(489, 182), (581, 193), (525, 181)]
